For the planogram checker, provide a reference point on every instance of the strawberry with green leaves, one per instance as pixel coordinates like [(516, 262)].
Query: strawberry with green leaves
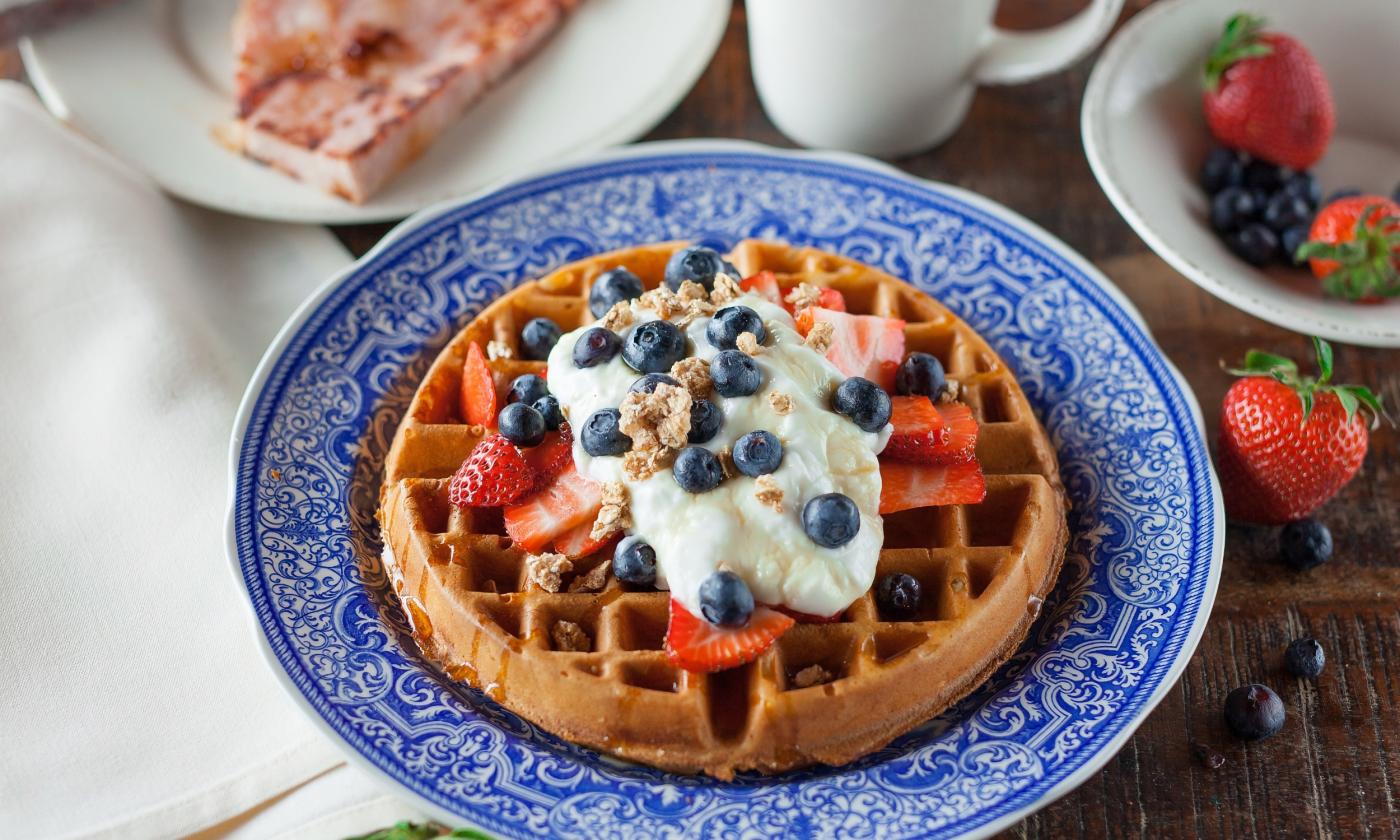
[(1354, 248), (1288, 442)]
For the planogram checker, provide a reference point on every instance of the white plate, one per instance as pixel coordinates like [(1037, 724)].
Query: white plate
[(1145, 137), (150, 79)]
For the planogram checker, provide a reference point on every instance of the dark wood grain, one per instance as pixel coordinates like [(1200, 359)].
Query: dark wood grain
[(1333, 770)]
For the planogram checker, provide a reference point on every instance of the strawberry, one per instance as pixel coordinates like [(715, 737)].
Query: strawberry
[(1354, 248), (697, 645), (478, 395), (928, 434), (1265, 94), (578, 542), (765, 285), (566, 503), (552, 455), (908, 486), (1289, 442), (862, 345), (494, 474)]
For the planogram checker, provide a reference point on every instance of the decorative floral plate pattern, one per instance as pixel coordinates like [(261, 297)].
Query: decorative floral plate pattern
[(1136, 588)]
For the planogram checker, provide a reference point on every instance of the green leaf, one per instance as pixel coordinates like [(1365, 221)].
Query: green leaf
[(1371, 401), (1306, 397), (1258, 361), (1348, 400), (404, 831), (1324, 359), (470, 834), (1237, 42)]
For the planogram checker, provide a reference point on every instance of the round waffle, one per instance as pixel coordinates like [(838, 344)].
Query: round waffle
[(984, 568)]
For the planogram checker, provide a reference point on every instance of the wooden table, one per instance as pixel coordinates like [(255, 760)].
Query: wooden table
[(1332, 771)]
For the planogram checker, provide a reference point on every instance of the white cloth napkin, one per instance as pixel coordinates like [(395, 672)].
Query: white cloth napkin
[(133, 699)]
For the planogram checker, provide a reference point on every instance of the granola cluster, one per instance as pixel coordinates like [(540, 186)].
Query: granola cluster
[(547, 570), (594, 580), (618, 317), (658, 424), (726, 289), (782, 403), (803, 296), (810, 676), (747, 342), (496, 349), (570, 637), (693, 373), (688, 304), (767, 491), (819, 338), (615, 514)]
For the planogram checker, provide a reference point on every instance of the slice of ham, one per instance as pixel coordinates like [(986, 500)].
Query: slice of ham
[(342, 94)]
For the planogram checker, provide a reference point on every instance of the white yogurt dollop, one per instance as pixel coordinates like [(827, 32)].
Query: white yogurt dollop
[(696, 534)]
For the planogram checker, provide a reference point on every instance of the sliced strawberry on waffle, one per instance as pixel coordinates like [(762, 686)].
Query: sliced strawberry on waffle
[(908, 486), (578, 542), (494, 474), (832, 300), (765, 285), (697, 645), (862, 345), (928, 434), (478, 394), (552, 455), (566, 503)]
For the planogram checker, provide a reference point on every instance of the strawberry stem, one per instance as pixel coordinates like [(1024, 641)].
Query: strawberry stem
[(1239, 41), (1285, 370), (1369, 265)]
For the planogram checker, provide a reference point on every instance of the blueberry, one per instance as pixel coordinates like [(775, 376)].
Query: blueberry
[(705, 421), (634, 561), (1289, 242), (921, 373), (521, 424), (613, 286), (734, 374), (1254, 712), (654, 346), (731, 321), (1305, 544), (726, 600), (526, 388), (601, 435), (595, 347), (1286, 210), (1304, 657), (696, 263), (1262, 175), (831, 519), (647, 384), (1338, 195), (864, 402), (538, 338), (697, 470), (548, 407), (1305, 186), (898, 595), (758, 453), (1222, 168), (1231, 208), (1254, 243)]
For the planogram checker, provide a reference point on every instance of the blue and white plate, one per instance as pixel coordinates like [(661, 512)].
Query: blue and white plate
[(1137, 585)]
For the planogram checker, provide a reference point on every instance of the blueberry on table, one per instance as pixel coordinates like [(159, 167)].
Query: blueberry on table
[(697, 470), (734, 374), (1231, 208), (521, 424), (726, 600), (696, 263), (1286, 210), (612, 287), (1222, 168), (647, 384), (1254, 243), (1304, 544), (1254, 712), (1304, 185), (1289, 242), (864, 402), (654, 346), (1304, 657), (758, 453), (920, 374), (731, 322), (898, 595), (634, 561), (1262, 175), (549, 408), (526, 388), (537, 338), (831, 520), (596, 346), (602, 434), (705, 421)]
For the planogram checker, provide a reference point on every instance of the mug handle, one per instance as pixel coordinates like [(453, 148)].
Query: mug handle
[(1009, 58)]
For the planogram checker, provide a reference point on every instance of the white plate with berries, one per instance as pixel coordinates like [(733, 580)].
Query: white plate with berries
[(1230, 137)]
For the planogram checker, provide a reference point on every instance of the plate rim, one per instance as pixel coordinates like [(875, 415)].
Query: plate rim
[(1215, 529), (671, 89), (1093, 128)]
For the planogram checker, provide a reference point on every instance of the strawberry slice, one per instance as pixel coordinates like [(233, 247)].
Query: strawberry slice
[(962, 427), (494, 474), (550, 457), (697, 645), (832, 299), (908, 486), (478, 396), (862, 345), (929, 434), (578, 542), (765, 285), (566, 503)]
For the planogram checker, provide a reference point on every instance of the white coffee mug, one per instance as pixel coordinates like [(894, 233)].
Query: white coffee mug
[(891, 77)]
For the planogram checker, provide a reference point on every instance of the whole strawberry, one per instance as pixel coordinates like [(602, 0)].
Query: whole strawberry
[(1289, 442), (1354, 248), (1265, 94)]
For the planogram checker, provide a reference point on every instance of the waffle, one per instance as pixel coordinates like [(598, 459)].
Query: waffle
[(984, 568)]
